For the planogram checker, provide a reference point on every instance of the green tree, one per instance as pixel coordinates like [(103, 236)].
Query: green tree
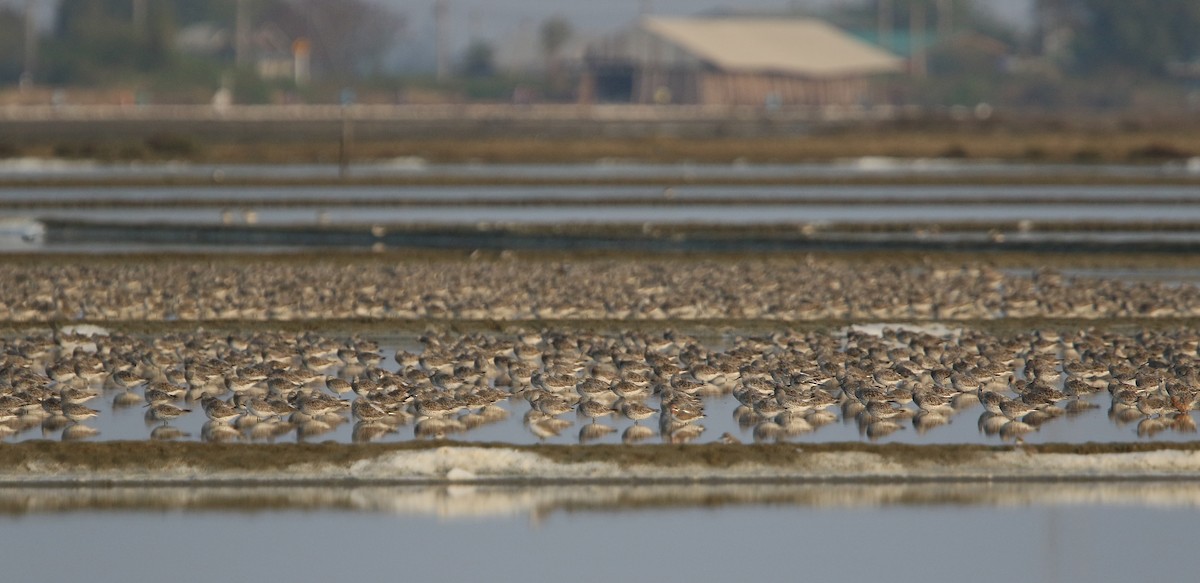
[(942, 17), (479, 60), (1136, 36), (191, 12), (554, 34), (12, 45), (97, 39), (350, 38), (158, 38)]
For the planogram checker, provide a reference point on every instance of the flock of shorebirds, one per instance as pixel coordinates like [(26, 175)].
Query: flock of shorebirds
[(265, 386), (517, 289)]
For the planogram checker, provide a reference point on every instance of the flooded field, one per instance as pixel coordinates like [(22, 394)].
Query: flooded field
[(598, 351), (699, 213), (520, 388), (708, 217), (608, 533), (1027, 391), (408, 167)]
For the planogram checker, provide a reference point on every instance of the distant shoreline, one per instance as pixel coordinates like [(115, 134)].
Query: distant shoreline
[(558, 134), (1057, 148)]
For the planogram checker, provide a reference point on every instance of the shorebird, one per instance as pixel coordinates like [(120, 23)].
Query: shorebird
[(676, 416), (239, 384), (76, 395), (218, 410), (595, 389), (364, 410), (338, 386), (552, 405), (595, 409), (78, 413), (164, 412), (264, 409), (126, 380), (636, 411)]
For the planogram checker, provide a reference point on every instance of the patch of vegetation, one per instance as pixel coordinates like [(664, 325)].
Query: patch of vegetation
[(1158, 151), (171, 145), (955, 151), (1087, 155)]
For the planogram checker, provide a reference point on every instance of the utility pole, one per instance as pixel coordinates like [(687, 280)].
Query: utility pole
[(139, 16), (916, 19), (441, 9), (31, 40), (241, 34), (945, 18), (884, 14)]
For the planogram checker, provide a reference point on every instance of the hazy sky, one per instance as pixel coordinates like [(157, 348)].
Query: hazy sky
[(492, 18), (485, 16), (511, 25), (506, 23)]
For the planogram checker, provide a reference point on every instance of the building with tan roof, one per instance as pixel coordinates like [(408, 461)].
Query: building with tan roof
[(733, 61)]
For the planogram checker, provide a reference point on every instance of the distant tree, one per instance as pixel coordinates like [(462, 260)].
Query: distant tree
[(12, 45), (97, 39), (158, 38), (941, 17), (479, 60), (1137, 36), (349, 37), (214, 11), (555, 33)]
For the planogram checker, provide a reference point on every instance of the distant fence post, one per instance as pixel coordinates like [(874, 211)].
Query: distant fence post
[(345, 144)]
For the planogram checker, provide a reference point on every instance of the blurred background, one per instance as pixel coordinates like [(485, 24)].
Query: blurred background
[(1074, 55)]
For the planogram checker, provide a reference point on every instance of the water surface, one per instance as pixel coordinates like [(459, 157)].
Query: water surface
[(978, 532), (607, 168)]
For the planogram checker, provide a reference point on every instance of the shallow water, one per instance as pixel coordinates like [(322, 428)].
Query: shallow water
[(900, 193), (639, 215), (636, 214), (795, 204), (966, 426), (977, 532), (403, 167), (1094, 425), (502, 205)]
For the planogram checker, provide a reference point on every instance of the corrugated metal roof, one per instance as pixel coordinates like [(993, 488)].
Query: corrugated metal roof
[(796, 46)]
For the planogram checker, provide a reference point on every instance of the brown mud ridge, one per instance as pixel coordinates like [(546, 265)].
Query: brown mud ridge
[(152, 463), (574, 141), (1082, 179), (366, 258)]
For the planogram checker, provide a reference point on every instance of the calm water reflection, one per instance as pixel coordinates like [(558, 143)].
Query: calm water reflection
[(605, 168), (975, 532), (152, 195), (624, 214)]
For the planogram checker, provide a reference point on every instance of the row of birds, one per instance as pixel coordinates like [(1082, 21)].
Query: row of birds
[(519, 289), (266, 385)]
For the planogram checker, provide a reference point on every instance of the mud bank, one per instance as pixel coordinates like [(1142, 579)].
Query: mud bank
[(188, 464)]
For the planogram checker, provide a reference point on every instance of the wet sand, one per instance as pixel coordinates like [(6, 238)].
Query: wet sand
[(189, 464), (1073, 179)]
